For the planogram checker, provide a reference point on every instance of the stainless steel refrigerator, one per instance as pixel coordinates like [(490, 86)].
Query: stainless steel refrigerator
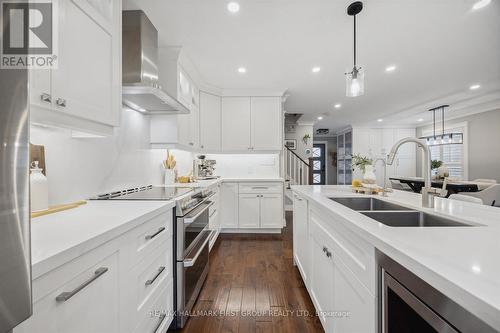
[(15, 257)]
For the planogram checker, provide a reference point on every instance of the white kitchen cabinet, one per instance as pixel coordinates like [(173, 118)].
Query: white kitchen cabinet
[(210, 122), (188, 128), (84, 92), (106, 289), (301, 236), (271, 211), (266, 124), (236, 124), (353, 297), (95, 308), (249, 211), (229, 205)]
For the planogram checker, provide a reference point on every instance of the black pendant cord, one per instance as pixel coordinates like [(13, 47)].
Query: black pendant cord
[(442, 117), (434, 122), (354, 41)]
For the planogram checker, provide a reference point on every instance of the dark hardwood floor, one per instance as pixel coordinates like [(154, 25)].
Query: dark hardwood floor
[(253, 286)]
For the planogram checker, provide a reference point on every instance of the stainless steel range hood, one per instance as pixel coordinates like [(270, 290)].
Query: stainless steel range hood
[(141, 90)]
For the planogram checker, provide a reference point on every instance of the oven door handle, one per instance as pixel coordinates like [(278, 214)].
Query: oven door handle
[(189, 262), (190, 219)]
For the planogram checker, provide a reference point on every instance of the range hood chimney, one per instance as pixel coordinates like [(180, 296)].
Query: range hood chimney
[(141, 90)]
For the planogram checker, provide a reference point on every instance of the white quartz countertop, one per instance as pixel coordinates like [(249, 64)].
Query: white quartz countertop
[(461, 262), (60, 237)]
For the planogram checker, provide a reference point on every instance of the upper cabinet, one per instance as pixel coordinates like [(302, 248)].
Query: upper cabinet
[(266, 124), (236, 124), (252, 124), (84, 92), (210, 122)]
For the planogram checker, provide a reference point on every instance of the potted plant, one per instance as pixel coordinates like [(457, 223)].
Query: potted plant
[(306, 138), (365, 165)]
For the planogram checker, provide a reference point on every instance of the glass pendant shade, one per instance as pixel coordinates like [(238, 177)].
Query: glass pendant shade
[(355, 82)]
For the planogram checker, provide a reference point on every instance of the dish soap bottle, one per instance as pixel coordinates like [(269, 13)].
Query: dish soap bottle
[(39, 191)]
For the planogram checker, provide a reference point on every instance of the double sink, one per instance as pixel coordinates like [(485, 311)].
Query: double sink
[(394, 215)]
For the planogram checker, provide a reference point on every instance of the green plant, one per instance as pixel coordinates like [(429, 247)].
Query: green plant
[(436, 164), (305, 138), (361, 162)]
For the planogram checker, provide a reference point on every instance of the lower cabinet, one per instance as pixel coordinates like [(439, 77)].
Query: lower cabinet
[(248, 205), (327, 256), (123, 285), (301, 236)]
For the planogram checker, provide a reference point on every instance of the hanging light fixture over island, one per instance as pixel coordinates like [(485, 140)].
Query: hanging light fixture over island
[(443, 138), (355, 79)]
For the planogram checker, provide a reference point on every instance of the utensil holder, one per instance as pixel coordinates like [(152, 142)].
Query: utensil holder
[(169, 176)]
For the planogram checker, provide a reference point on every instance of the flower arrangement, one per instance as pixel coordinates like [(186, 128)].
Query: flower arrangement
[(361, 162)]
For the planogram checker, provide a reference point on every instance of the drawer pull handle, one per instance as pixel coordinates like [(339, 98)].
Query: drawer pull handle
[(162, 318), (61, 102), (149, 237), (325, 249), (64, 296), (259, 187), (46, 98), (151, 281), (328, 254)]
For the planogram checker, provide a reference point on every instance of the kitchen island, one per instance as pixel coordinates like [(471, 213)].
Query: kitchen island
[(335, 244)]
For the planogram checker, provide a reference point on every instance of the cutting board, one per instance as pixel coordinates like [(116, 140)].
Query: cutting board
[(58, 208)]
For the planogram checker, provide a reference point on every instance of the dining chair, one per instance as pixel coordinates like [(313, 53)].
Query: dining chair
[(490, 195), (466, 198)]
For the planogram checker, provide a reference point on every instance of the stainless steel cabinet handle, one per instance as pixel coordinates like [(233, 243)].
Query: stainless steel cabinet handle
[(325, 249), (61, 102), (328, 254), (46, 98), (191, 219), (259, 187), (64, 296), (191, 144), (162, 318), (148, 237), (152, 280), (191, 261)]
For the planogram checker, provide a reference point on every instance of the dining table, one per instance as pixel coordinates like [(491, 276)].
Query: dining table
[(452, 186)]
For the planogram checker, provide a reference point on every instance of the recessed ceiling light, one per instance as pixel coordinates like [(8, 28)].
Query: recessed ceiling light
[(475, 87), (380, 120), (316, 69), (420, 119), (337, 106), (233, 7), (242, 70), (480, 4), (320, 118), (391, 68)]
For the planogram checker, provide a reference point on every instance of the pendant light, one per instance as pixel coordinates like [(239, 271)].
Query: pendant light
[(355, 80), (443, 138)]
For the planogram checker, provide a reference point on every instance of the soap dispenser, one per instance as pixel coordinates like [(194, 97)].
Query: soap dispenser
[(39, 191)]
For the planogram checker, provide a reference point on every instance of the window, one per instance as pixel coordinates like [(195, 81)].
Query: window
[(454, 156)]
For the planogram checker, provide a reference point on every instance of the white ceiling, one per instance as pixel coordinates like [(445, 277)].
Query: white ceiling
[(439, 47)]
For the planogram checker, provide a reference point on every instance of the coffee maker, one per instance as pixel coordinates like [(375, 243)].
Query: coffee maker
[(203, 168)]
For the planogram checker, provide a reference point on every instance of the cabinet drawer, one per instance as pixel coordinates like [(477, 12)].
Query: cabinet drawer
[(81, 296), (156, 316), (357, 254), (275, 187), (152, 274), (148, 236)]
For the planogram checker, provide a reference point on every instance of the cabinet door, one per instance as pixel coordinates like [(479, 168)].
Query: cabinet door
[(184, 89), (249, 210), (85, 85), (301, 236), (229, 205), (210, 121), (40, 88), (321, 281), (271, 211), (266, 123), (352, 296), (92, 309), (236, 123)]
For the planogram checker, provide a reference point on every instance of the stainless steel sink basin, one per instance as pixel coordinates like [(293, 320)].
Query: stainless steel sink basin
[(412, 219), (368, 204)]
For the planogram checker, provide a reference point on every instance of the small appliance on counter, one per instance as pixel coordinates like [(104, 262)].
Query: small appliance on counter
[(39, 197), (203, 168)]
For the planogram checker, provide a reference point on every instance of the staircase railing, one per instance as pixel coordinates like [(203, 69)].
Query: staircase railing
[(296, 169)]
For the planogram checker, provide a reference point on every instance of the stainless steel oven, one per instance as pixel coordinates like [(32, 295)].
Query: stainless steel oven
[(409, 304), (192, 251)]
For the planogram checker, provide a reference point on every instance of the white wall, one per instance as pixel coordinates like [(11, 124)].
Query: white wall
[(80, 168), (300, 131)]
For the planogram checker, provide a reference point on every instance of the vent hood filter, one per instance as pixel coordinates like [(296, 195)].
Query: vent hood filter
[(141, 90)]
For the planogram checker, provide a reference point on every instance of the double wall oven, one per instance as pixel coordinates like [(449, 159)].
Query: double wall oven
[(190, 242)]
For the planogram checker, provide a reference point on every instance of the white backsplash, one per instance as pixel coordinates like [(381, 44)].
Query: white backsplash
[(80, 168)]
